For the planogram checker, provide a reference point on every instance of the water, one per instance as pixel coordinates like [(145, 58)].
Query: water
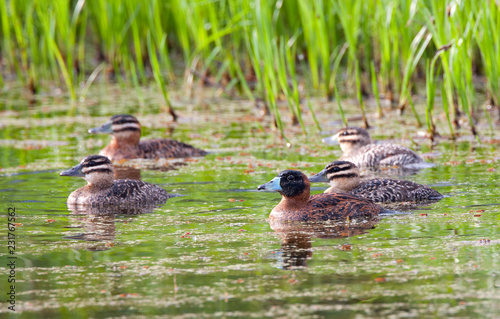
[(210, 251)]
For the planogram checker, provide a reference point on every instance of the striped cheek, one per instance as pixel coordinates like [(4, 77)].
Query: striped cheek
[(349, 139), (103, 168), (340, 175), (99, 175), (131, 126)]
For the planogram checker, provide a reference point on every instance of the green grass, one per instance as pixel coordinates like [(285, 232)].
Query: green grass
[(263, 49)]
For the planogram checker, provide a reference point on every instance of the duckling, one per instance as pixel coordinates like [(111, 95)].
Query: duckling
[(343, 176), (126, 144), (297, 204), (357, 147), (101, 189)]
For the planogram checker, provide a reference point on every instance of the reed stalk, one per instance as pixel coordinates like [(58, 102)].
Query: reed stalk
[(263, 49)]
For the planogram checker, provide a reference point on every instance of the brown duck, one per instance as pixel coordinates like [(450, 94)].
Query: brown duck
[(343, 176), (357, 147), (298, 205), (101, 189), (126, 143)]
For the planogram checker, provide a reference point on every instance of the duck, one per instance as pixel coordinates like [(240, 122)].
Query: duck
[(297, 204), (126, 144), (357, 147), (102, 189), (343, 176)]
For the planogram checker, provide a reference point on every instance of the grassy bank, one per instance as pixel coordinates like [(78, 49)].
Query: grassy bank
[(265, 50)]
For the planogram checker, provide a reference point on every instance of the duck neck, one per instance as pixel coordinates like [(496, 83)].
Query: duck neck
[(349, 148), (125, 139), (296, 201), (99, 181), (346, 184), (332, 189)]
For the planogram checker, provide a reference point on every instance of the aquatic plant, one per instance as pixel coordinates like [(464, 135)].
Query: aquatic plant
[(263, 49)]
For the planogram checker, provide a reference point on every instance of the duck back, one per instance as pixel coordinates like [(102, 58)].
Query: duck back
[(382, 154), (165, 148), (389, 190), (327, 206), (122, 192)]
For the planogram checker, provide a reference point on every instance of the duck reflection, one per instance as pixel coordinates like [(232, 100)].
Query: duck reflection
[(130, 170), (99, 223), (296, 237), (390, 171), (126, 172)]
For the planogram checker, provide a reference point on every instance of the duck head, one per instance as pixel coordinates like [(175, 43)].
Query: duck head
[(97, 170), (124, 128), (342, 175), (288, 183), (349, 138)]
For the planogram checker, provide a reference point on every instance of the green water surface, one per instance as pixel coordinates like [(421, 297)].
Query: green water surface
[(209, 251)]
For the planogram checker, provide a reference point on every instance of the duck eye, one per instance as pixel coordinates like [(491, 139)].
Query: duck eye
[(336, 169), (290, 178), (345, 133), (91, 163)]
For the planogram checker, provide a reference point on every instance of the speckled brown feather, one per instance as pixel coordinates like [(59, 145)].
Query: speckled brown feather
[(382, 154), (389, 190), (150, 149), (168, 149), (324, 206), (123, 192)]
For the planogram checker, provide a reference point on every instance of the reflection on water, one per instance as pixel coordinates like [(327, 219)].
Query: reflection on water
[(296, 237), (131, 168), (96, 228), (389, 171), (206, 253), (134, 171), (124, 172), (99, 222)]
